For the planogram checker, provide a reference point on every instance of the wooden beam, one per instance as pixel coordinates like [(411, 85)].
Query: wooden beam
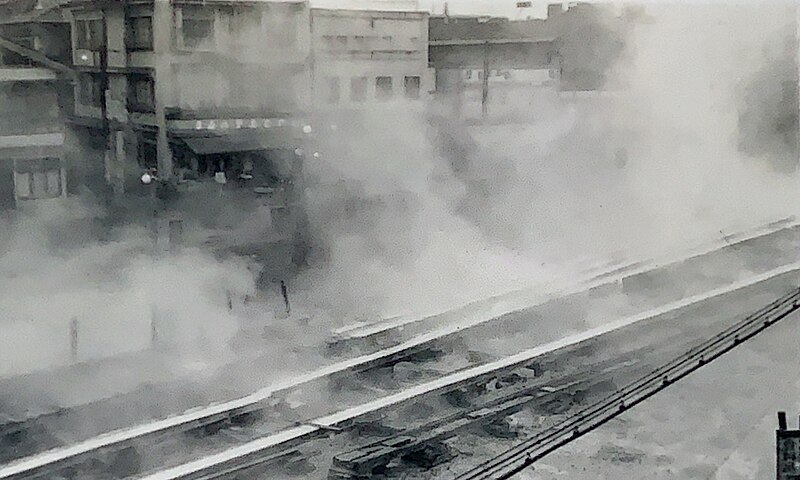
[(37, 57)]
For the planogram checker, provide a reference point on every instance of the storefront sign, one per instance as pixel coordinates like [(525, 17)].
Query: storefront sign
[(244, 123)]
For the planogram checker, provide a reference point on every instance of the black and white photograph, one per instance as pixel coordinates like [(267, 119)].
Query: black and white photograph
[(399, 239)]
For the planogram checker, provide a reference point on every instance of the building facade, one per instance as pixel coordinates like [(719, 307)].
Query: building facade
[(198, 104), (365, 58), (34, 89), (496, 69)]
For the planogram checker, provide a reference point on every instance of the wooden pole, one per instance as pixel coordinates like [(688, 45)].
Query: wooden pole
[(73, 339)]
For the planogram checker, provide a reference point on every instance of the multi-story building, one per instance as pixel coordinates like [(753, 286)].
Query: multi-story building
[(205, 98), (493, 68), (34, 88), (363, 58)]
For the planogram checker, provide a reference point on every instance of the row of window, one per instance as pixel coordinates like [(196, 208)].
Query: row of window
[(141, 92), (36, 179), (194, 30), (365, 43), (384, 88)]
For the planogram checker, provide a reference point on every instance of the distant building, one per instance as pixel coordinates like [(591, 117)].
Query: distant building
[(490, 68), (363, 58)]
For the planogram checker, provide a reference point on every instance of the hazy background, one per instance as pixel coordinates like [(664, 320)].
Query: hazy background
[(399, 229), (408, 232)]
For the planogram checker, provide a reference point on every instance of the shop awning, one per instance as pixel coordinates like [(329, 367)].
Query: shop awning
[(241, 142)]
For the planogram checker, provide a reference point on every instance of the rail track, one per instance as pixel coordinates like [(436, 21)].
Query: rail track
[(597, 365), (119, 451)]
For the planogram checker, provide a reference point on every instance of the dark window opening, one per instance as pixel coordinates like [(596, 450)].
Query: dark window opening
[(333, 93), (14, 59), (383, 88), (147, 153), (89, 35), (361, 42), (282, 27), (140, 34), (141, 93), (412, 85), (197, 29), (91, 90), (245, 22), (358, 89), (36, 179)]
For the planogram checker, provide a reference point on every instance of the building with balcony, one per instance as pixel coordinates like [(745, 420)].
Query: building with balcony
[(34, 89), (364, 58), (208, 98)]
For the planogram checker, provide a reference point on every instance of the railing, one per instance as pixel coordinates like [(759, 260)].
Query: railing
[(522, 456)]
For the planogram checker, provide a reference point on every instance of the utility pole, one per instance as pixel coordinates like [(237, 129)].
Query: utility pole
[(162, 40)]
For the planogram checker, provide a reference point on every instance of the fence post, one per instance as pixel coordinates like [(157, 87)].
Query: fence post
[(153, 327), (73, 339), (285, 293)]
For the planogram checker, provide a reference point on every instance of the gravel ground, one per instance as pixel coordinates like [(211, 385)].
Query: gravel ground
[(716, 424)]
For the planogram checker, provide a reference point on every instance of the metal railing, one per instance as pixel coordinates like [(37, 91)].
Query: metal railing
[(522, 456)]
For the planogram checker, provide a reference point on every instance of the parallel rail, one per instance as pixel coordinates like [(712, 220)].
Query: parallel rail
[(241, 457), (527, 453)]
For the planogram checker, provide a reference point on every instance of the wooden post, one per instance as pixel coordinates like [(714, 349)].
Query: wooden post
[(153, 327), (485, 87), (285, 293), (73, 339)]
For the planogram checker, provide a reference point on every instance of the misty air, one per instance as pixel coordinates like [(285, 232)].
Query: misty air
[(399, 239)]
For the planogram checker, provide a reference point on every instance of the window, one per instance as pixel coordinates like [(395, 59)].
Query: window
[(147, 153), (140, 34), (41, 178), (383, 88), (8, 57), (358, 89), (282, 27), (329, 41), (361, 42), (90, 90), (141, 94), (332, 94), (197, 29), (245, 22), (412, 86), (341, 42), (89, 35)]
